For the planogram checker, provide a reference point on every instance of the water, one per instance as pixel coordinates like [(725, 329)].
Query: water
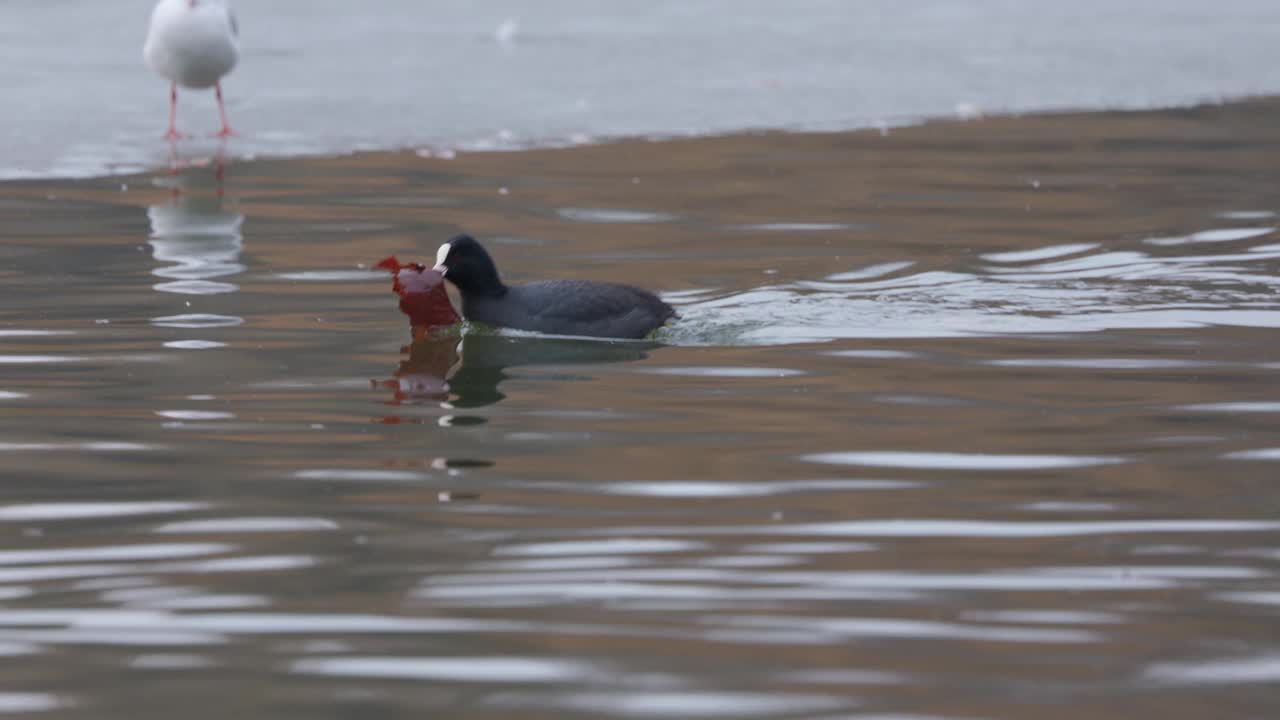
[(333, 76), (968, 420)]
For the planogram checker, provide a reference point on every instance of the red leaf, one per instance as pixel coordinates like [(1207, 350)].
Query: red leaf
[(422, 294), (389, 263)]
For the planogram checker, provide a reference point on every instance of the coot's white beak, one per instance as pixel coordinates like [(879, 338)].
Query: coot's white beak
[(441, 254)]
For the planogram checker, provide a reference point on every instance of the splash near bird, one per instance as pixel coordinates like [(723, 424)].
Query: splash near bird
[(192, 43)]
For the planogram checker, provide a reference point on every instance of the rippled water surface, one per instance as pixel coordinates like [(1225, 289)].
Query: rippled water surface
[(968, 420)]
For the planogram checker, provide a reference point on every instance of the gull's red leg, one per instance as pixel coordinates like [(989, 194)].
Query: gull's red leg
[(226, 130), (173, 113)]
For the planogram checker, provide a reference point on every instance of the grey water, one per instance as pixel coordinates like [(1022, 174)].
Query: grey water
[(970, 420), (326, 76)]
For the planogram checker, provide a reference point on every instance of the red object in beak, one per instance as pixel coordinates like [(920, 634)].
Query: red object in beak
[(389, 263), (422, 294)]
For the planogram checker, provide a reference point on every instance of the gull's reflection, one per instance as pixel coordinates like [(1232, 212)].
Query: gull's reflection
[(466, 372), (196, 235)]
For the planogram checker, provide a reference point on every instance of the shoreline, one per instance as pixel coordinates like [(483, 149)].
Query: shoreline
[(204, 151)]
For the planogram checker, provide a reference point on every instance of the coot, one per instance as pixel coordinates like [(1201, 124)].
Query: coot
[(558, 307)]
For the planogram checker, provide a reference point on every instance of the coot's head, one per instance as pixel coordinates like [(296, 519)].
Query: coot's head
[(465, 263)]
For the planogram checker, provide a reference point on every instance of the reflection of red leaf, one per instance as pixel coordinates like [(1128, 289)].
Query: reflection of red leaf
[(422, 294)]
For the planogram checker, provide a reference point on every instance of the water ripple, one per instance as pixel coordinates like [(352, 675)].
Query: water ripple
[(1233, 671), (86, 510), (358, 475), (248, 525), (195, 414), (794, 227), (459, 669), (686, 489), (125, 637), (843, 628), (218, 624), (1265, 454), (1056, 289), (960, 461), (171, 661), (900, 583), (112, 552), (39, 359), (17, 649), (1098, 363), (1250, 597), (198, 321), (811, 548), (612, 546), (262, 563), (194, 344), (1047, 617), (915, 527), (685, 704), (722, 372), (196, 287), (1247, 215), (101, 446), (1213, 236), (613, 216), (1234, 407), (1040, 254), (26, 702), (15, 332)]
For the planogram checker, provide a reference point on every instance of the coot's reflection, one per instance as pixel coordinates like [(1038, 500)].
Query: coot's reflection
[(423, 376), (467, 370)]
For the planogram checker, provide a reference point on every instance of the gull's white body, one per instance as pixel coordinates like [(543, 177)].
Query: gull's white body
[(192, 43), (193, 46)]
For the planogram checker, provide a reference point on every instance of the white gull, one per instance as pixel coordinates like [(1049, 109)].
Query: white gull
[(192, 43)]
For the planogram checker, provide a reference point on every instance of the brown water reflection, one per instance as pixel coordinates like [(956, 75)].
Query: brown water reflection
[(968, 420)]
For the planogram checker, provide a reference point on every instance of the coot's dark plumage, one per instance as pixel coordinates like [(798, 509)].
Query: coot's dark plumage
[(558, 307)]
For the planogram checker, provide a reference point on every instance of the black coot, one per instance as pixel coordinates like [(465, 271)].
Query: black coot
[(558, 307)]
